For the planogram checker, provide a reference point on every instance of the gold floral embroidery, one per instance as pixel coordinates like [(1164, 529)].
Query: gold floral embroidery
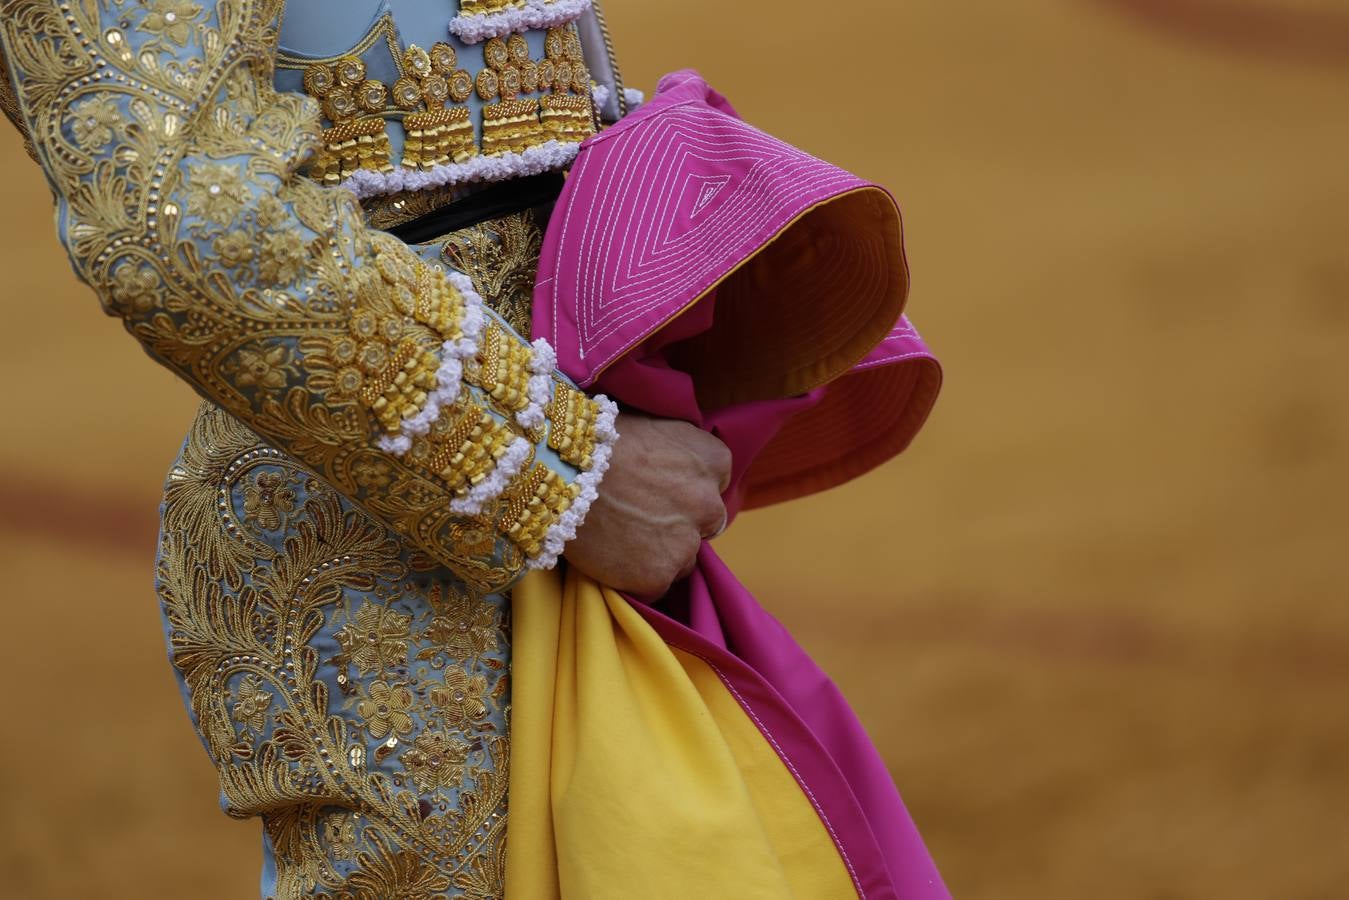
[(339, 833), (215, 192), (464, 627), (385, 710), (235, 249), (436, 762), (268, 500), (134, 287), (460, 698), (376, 639), (252, 704), (171, 19), (264, 369), (95, 122), (281, 257), (259, 630)]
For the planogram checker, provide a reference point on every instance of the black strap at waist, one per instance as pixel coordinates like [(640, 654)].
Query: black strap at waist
[(493, 202)]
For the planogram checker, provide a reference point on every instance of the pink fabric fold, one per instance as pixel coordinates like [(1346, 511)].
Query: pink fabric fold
[(622, 347)]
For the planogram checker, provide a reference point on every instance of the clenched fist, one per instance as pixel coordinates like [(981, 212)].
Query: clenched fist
[(660, 498)]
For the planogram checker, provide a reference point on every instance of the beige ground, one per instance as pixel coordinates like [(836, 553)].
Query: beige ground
[(1097, 619)]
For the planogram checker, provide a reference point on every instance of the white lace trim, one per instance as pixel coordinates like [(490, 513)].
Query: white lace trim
[(602, 94), (540, 385), (536, 14), (491, 487), (450, 375), (565, 528), (534, 161)]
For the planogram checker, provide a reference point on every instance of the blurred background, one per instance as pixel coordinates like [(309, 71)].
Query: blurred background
[(1096, 618)]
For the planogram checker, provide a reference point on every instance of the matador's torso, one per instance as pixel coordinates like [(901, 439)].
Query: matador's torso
[(351, 692)]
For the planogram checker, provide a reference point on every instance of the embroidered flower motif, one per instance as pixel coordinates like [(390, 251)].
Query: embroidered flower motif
[(348, 382), (235, 249), (473, 540), (264, 368), (268, 499), (399, 876), (436, 761), (135, 287), (271, 211), (171, 19), (385, 709), (465, 625), (339, 833), (377, 639), (215, 192), (251, 703), (281, 257), (94, 122), (372, 474), (460, 698)]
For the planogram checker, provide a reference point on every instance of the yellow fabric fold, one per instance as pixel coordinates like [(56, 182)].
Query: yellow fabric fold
[(635, 772)]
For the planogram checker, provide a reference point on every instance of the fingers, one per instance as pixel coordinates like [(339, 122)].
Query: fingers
[(712, 521), (716, 458)]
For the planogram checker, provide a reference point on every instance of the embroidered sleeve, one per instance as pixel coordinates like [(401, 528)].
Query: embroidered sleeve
[(174, 163)]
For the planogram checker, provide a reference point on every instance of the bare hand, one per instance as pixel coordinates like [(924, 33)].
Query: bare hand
[(660, 498)]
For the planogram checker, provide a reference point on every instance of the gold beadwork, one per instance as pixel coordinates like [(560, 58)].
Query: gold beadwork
[(534, 503), (512, 125), (518, 50), (503, 369), (359, 144), (567, 118), (354, 141), (484, 7), (431, 93), (383, 361), (440, 134), (464, 446), (571, 417), (443, 135)]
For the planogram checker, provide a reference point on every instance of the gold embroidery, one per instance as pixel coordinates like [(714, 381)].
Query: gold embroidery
[(9, 105), (533, 504), (440, 134), (334, 776), (483, 7), (503, 370), (571, 417), (388, 212), (502, 258), (206, 149), (512, 124), (568, 118), (354, 105)]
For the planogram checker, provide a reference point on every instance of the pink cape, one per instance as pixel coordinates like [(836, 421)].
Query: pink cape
[(658, 215)]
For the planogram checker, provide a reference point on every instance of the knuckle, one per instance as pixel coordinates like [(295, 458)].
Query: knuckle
[(721, 458), (713, 514)]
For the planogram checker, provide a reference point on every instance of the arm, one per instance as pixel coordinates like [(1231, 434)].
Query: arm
[(174, 162)]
